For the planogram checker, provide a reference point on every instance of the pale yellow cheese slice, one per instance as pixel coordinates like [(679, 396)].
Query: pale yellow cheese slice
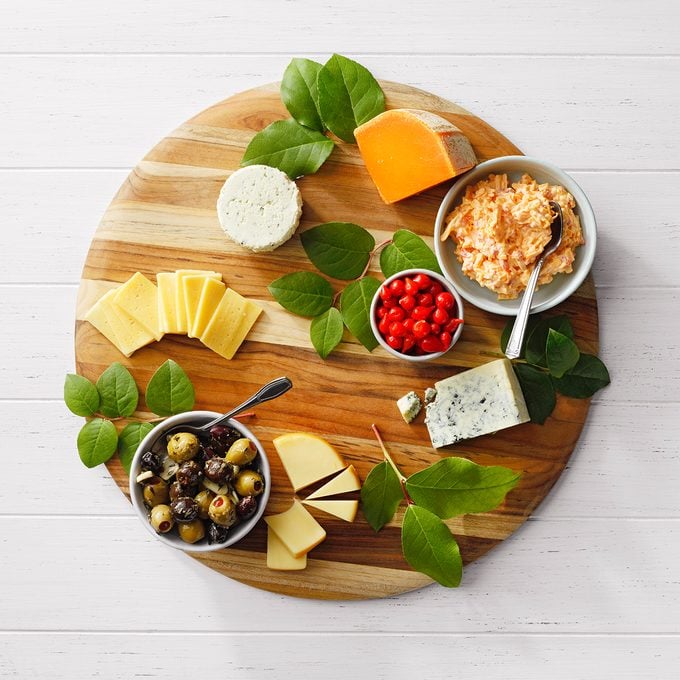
[(97, 317), (279, 557), (296, 529), (167, 301), (139, 298), (130, 335), (307, 458), (230, 323), (211, 294), (180, 303), (193, 286), (346, 510), (348, 480)]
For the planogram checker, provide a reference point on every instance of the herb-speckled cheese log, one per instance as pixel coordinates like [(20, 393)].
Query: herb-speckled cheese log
[(259, 207), (407, 151), (476, 402)]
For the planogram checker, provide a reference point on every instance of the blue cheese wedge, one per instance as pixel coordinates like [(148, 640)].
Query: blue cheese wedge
[(476, 402), (409, 406), (259, 207)]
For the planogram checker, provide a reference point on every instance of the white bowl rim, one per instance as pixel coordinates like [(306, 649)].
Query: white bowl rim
[(140, 509), (569, 282), (449, 287)]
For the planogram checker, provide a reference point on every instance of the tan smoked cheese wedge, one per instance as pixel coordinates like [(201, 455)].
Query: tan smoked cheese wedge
[(407, 151)]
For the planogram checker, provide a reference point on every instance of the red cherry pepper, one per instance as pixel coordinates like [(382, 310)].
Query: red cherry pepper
[(421, 329), (385, 293), (396, 314), (440, 316), (397, 329), (422, 281), (422, 312), (408, 344), (445, 338), (430, 344), (445, 300), (435, 289), (410, 286), (425, 300), (407, 302), (381, 312), (397, 287), (452, 325), (393, 342), (384, 326)]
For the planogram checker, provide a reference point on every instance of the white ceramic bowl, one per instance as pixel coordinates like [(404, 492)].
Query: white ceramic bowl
[(172, 539), (563, 285), (447, 286)]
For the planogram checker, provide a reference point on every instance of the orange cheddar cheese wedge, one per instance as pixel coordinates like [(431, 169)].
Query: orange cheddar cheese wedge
[(407, 151)]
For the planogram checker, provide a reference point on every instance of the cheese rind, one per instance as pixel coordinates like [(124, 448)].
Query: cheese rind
[(296, 529), (279, 557), (139, 298), (307, 458), (407, 151), (211, 294), (476, 402), (342, 509), (409, 406), (348, 480)]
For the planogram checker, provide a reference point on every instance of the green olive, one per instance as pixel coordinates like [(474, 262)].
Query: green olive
[(249, 483), (161, 519), (182, 446), (241, 452), (203, 500), (155, 492), (222, 511), (191, 532)]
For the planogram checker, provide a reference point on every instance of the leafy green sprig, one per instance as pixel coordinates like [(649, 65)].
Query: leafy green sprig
[(448, 488), (115, 397), (337, 96), (344, 251), (551, 362)]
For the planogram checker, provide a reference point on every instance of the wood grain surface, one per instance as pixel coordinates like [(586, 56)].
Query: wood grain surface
[(163, 218)]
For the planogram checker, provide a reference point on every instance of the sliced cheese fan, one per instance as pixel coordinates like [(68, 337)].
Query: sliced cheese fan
[(348, 480), (343, 509)]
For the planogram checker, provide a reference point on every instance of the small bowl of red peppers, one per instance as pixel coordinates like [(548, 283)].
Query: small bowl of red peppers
[(417, 315)]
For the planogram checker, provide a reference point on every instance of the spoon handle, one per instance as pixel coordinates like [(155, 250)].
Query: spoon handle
[(271, 390), (514, 348)]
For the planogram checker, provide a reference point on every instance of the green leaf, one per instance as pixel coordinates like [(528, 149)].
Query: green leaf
[(303, 293), (355, 306), (457, 486), (429, 547), (338, 249), (118, 392), (407, 251), (290, 147), (80, 395), (561, 353), (97, 441), (170, 391), (299, 93), (380, 495), (348, 96), (583, 380), (538, 338), (129, 440), (538, 391), (507, 330), (325, 332)]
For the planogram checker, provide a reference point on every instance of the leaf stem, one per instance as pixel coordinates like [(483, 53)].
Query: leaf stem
[(372, 254), (388, 458)]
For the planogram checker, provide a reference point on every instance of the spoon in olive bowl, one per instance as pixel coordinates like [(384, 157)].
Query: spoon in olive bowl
[(271, 390), (514, 347)]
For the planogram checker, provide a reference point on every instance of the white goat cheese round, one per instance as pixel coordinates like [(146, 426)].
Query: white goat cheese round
[(259, 207)]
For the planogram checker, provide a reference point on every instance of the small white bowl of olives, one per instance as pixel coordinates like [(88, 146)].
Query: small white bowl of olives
[(199, 495)]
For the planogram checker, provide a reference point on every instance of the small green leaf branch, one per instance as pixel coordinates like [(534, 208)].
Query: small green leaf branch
[(446, 489), (344, 251)]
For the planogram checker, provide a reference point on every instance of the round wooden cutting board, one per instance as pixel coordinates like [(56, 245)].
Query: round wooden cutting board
[(163, 218)]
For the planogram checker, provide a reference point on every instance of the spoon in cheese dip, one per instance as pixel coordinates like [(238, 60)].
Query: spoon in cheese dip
[(514, 347)]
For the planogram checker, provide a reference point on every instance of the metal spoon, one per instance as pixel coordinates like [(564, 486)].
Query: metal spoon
[(271, 390), (514, 348)]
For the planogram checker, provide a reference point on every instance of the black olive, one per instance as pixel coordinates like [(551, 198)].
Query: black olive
[(246, 507), (224, 436), (205, 452), (177, 491), (184, 509), (151, 461), (189, 474), (217, 534), (218, 470)]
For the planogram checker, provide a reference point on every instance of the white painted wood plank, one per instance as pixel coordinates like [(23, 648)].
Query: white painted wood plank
[(76, 656), (625, 465), (638, 240), (107, 111), (378, 26), (580, 576), (639, 339)]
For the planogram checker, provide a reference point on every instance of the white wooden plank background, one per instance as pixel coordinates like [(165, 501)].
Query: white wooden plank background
[(588, 588)]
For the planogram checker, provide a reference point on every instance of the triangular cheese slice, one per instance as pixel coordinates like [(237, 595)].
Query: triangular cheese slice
[(307, 458), (139, 298), (211, 294), (279, 557), (296, 529), (348, 480), (346, 510)]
